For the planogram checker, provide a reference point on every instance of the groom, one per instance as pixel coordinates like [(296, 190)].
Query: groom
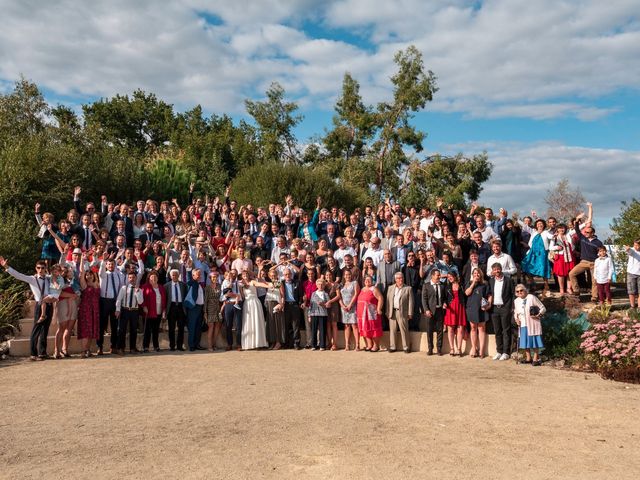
[(232, 309)]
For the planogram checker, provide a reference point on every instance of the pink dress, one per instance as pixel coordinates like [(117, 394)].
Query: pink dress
[(369, 322), (89, 314)]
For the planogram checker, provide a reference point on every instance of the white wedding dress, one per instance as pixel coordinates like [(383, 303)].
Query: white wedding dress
[(253, 326)]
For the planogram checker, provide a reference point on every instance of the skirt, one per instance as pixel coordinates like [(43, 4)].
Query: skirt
[(561, 267), (526, 341)]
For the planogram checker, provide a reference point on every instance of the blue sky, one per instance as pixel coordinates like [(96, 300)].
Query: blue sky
[(549, 89)]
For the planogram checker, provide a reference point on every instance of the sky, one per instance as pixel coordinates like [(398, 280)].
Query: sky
[(549, 88)]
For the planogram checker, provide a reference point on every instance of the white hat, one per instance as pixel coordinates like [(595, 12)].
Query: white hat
[(77, 250)]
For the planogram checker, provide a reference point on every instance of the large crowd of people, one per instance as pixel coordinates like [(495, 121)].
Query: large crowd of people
[(257, 276)]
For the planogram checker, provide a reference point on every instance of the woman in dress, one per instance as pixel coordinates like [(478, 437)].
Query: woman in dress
[(369, 312), (368, 270), (529, 323), (321, 254), (274, 303), (139, 225), (333, 309), (455, 317), (348, 298), (89, 311), (536, 262), (562, 246), (212, 308), (67, 313), (154, 305), (253, 327), (477, 304)]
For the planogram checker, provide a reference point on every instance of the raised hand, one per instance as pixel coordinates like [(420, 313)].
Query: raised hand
[(37, 207), (192, 185), (103, 198), (4, 262), (76, 191)]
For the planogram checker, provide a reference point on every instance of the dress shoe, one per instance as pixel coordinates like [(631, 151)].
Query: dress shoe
[(180, 349), (200, 348), (158, 349), (192, 349), (228, 349), (391, 350), (100, 352), (172, 349), (439, 354), (406, 350), (430, 352)]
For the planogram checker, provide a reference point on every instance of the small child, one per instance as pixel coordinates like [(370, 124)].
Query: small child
[(603, 271), (633, 272), (55, 288), (318, 314)]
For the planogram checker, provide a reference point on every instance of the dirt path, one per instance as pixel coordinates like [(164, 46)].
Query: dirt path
[(313, 415)]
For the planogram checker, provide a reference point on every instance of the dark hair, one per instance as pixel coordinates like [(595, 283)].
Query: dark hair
[(496, 265)]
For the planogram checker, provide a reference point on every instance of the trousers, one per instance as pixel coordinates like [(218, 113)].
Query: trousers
[(194, 320), (233, 316), (176, 317), (501, 319), (292, 324), (128, 320), (435, 324), (396, 321), (108, 319), (40, 331), (151, 331)]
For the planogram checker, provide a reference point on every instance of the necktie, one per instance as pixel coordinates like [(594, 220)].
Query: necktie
[(77, 270), (41, 287), (184, 273), (111, 281), (175, 293), (86, 238), (130, 297)]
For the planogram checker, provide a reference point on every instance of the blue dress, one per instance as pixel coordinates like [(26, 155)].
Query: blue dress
[(536, 262)]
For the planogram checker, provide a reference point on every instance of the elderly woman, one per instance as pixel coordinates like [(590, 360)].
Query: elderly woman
[(528, 310)]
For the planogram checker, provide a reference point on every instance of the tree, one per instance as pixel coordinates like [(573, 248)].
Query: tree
[(456, 180), (626, 229), (137, 123), (412, 89), (22, 112), (276, 120), (564, 202)]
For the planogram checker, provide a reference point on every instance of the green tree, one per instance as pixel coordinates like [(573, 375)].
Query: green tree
[(137, 122), (413, 87), (457, 180), (22, 112), (276, 121)]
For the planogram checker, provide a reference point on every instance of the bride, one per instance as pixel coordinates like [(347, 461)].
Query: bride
[(253, 324)]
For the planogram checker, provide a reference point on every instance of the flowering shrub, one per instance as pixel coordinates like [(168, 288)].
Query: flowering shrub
[(613, 348)]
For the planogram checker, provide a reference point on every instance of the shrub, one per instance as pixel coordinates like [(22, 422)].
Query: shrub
[(613, 348), (271, 182), (18, 240), (11, 299), (562, 335)]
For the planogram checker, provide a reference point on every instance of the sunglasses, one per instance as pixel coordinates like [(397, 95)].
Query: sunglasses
[(519, 291)]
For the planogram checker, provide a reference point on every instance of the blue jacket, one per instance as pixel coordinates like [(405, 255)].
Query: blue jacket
[(312, 226)]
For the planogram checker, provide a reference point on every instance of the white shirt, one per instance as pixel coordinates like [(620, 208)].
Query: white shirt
[(176, 295), (129, 298), (497, 291), (341, 252), (39, 285), (603, 269), (110, 282), (487, 233), (504, 259), (396, 297), (633, 265), (375, 255), (200, 299)]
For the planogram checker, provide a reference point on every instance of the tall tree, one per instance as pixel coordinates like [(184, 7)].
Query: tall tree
[(138, 123), (413, 87), (456, 180), (563, 201), (276, 121)]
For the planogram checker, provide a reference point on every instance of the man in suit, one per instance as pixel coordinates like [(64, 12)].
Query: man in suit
[(433, 304), (331, 237), (149, 234), (232, 310), (399, 309), (400, 251), (502, 292), (412, 279), (291, 310), (119, 229), (387, 269), (175, 291), (193, 309), (127, 225)]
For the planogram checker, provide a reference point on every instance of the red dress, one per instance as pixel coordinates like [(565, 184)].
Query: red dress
[(369, 322), (455, 315), (89, 314)]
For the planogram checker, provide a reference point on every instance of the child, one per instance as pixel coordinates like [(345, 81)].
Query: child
[(318, 314), (633, 272), (603, 270), (55, 288)]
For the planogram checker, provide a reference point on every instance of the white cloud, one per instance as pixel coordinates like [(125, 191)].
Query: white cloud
[(506, 58), (524, 172)]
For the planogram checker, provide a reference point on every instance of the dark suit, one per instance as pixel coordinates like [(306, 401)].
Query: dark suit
[(175, 314), (502, 316), (233, 315), (467, 270), (413, 280), (194, 315), (146, 237), (331, 242), (292, 315), (433, 299)]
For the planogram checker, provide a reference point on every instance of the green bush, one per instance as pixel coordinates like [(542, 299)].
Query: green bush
[(561, 335), (12, 296), (272, 182), (18, 238)]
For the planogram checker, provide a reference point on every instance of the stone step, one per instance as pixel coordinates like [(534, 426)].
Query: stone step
[(19, 347)]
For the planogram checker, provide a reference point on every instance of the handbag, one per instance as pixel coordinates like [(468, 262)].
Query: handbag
[(204, 326), (534, 310)]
